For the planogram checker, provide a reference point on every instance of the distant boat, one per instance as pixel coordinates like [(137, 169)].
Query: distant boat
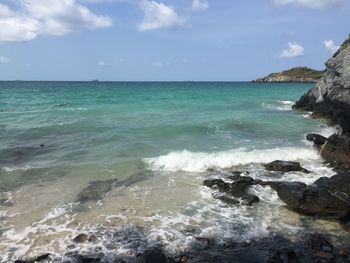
[(95, 80)]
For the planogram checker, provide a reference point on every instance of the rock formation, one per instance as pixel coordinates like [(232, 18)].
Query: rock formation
[(331, 95)]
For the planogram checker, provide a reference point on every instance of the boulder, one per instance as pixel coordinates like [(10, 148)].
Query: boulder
[(317, 139), (223, 186), (285, 166), (327, 198), (238, 189), (336, 151)]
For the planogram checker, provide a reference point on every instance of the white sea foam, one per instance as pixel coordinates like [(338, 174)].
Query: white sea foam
[(200, 161), (277, 106), (286, 102)]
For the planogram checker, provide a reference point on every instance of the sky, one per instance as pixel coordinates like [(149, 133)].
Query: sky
[(166, 40)]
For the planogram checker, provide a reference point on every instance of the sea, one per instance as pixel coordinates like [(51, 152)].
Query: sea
[(148, 146)]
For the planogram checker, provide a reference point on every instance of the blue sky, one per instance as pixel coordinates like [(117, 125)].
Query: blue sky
[(166, 39)]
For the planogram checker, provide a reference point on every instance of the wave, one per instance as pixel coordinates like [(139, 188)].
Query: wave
[(277, 106), (201, 161), (286, 102)]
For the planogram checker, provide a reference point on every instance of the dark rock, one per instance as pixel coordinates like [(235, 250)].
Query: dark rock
[(238, 189), (317, 242), (330, 97), (344, 252), (152, 255), (249, 199), (324, 255), (81, 238), (336, 151), (284, 166), (92, 238), (77, 258), (327, 198), (96, 190), (217, 182), (20, 154), (317, 139), (35, 259), (227, 199), (240, 186)]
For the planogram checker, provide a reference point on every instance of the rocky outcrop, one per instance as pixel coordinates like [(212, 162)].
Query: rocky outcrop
[(326, 198), (336, 151), (330, 97), (233, 193), (299, 74), (284, 166)]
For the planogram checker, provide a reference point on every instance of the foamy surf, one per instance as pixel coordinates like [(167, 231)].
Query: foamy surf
[(188, 161)]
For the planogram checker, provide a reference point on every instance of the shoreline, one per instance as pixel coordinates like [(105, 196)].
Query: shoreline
[(325, 197)]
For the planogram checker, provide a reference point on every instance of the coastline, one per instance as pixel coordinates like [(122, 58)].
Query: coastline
[(326, 198)]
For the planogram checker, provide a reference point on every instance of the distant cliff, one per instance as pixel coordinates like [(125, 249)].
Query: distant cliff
[(299, 74)]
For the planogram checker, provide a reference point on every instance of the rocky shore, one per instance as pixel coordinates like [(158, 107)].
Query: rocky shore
[(294, 75), (327, 198)]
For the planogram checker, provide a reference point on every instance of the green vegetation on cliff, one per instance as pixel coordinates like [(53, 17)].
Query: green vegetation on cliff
[(298, 74)]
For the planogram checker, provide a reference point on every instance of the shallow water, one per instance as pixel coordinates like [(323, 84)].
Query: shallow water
[(158, 141)]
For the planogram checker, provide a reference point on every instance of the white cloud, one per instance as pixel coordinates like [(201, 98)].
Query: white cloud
[(294, 50), (4, 60), (102, 63), (159, 15), (46, 17), (330, 46), (308, 3), (200, 5)]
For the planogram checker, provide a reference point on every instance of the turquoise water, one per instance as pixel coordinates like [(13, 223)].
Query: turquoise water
[(158, 140), (117, 124)]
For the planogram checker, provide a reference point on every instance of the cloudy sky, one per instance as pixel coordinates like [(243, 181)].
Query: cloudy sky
[(166, 39)]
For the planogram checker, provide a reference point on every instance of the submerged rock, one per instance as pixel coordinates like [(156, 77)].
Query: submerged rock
[(285, 166), (217, 182), (96, 190), (233, 191), (226, 198)]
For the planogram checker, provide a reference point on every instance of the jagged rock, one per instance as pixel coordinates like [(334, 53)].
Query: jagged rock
[(317, 139), (284, 166), (238, 189), (327, 198), (223, 186), (330, 97), (336, 151)]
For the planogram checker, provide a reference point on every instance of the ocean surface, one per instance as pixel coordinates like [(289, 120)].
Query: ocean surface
[(158, 141)]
